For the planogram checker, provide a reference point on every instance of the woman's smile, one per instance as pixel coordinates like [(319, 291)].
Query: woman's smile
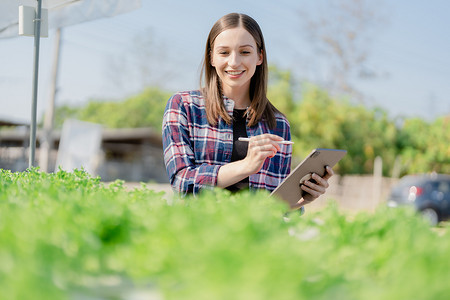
[(234, 74), (235, 57)]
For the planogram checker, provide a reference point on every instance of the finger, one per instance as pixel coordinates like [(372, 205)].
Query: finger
[(271, 136), (329, 173), (299, 204), (265, 148), (319, 185), (268, 154), (266, 138), (320, 180), (262, 140), (271, 142), (262, 152), (313, 193), (315, 188)]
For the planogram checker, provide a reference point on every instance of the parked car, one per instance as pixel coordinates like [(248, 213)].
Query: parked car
[(430, 195)]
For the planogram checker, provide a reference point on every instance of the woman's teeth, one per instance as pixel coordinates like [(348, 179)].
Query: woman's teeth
[(235, 72)]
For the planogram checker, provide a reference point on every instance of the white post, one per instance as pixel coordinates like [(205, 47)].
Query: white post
[(46, 139), (377, 175)]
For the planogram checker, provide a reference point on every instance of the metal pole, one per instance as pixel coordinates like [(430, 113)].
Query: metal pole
[(37, 38), (46, 140)]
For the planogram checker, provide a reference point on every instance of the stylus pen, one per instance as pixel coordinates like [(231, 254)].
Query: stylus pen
[(244, 139)]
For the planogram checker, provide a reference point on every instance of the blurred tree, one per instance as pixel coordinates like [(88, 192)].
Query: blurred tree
[(321, 121), (145, 109), (341, 32), (281, 89), (141, 64), (317, 120), (424, 147), (63, 113)]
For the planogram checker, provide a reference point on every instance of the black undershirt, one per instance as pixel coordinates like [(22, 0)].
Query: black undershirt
[(239, 148)]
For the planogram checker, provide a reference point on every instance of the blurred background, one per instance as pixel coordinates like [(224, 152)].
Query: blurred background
[(367, 76)]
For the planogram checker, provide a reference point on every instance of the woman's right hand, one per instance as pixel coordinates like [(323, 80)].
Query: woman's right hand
[(261, 147)]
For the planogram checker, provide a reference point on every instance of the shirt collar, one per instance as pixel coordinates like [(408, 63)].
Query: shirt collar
[(229, 104)]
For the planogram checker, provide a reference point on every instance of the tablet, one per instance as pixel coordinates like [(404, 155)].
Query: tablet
[(289, 190)]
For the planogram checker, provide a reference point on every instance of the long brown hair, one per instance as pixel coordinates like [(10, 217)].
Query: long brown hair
[(260, 107)]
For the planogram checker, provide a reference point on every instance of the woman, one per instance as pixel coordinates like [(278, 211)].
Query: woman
[(201, 128)]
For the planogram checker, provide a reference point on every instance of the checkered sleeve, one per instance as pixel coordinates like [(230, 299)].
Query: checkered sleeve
[(286, 154), (185, 175)]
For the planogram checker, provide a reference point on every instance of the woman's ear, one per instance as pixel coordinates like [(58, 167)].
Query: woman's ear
[(211, 59), (261, 58)]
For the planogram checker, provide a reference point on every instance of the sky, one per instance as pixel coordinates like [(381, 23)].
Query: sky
[(162, 43)]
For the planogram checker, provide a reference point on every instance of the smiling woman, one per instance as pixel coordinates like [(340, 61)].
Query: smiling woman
[(201, 129), (235, 57), (236, 40)]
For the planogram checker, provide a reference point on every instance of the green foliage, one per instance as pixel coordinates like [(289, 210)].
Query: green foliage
[(60, 233), (143, 110), (317, 121), (425, 147), (320, 121), (281, 89), (63, 113)]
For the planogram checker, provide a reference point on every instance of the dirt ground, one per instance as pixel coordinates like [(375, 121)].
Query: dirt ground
[(352, 193)]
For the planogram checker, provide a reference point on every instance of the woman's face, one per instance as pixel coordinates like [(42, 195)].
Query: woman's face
[(235, 56)]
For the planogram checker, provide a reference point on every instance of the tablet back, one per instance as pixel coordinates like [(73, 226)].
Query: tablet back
[(289, 190)]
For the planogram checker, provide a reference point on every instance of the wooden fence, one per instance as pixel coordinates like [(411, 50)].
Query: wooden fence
[(356, 192), (351, 192)]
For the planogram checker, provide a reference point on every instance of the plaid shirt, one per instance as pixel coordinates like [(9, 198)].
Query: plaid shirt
[(194, 150)]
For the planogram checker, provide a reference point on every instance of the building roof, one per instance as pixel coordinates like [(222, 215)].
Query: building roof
[(119, 135), (9, 122)]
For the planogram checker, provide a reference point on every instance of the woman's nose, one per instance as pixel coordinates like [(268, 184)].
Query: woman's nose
[(234, 60)]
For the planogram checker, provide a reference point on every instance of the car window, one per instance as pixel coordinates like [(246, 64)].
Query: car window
[(430, 186), (409, 180), (444, 187)]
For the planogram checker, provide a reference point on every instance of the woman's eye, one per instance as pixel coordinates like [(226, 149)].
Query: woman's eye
[(223, 52), (245, 52)]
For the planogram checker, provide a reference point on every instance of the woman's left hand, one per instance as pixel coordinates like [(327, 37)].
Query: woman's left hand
[(313, 190)]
